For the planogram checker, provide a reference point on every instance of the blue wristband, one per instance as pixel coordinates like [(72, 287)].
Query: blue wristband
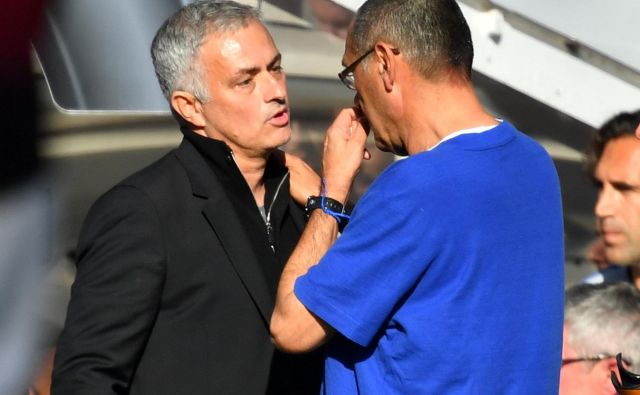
[(329, 206)]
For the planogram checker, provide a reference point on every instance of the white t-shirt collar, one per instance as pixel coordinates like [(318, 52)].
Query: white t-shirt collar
[(478, 129)]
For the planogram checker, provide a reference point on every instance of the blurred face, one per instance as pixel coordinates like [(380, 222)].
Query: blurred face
[(618, 206), (248, 106), (584, 378)]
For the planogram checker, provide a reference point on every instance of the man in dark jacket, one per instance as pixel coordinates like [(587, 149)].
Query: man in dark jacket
[(178, 264)]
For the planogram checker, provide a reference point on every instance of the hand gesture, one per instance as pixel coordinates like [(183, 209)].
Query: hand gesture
[(343, 153)]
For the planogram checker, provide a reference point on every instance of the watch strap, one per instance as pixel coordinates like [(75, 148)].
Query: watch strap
[(330, 206)]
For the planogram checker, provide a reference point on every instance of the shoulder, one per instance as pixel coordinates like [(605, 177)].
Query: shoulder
[(141, 193), (415, 173), (408, 188), (163, 180), (160, 171), (528, 143)]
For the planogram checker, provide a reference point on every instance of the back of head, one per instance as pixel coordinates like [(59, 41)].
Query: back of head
[(432, 34), (604, 319), (176, 47), (623, 124)]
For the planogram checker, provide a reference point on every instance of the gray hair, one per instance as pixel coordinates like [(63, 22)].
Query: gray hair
[(176, 47), (432, 34), (604, 319)]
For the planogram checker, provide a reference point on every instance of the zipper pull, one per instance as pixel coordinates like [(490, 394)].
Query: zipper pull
[(271, 237)]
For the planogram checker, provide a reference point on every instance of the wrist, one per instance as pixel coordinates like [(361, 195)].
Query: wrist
[(330, 207), (335, 191)]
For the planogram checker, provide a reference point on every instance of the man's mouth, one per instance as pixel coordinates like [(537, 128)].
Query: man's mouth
[(281, 118), (611, 236)]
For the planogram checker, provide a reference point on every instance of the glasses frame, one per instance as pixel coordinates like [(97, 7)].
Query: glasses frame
[(593, 358), (346, 75)]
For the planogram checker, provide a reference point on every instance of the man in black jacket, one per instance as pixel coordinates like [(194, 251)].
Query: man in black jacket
[(178, 264)]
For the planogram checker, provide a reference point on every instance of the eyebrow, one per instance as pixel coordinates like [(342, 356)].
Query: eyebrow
[(255, 69), (276, 59), (624, 185)]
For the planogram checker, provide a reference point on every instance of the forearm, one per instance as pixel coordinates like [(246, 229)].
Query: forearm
[(293, 327)]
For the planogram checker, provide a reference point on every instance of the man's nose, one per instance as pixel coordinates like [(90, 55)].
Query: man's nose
[(605, 205), (276, 88)]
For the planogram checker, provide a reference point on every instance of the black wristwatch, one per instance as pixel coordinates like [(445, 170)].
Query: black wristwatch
[(330, 206)]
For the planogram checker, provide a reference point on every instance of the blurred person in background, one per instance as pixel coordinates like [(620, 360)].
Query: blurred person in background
[(600, 322), (438, 270), (613, 163), (328, 16), (25, 203), (177, 266), (325, 15)]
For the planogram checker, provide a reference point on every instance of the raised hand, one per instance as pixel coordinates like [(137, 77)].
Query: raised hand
[(344, 149)]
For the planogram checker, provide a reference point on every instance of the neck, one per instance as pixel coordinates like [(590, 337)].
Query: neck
[(251, 164), (440, 108), (252, 169)]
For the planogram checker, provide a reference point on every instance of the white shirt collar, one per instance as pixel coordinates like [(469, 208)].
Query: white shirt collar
[(478, 129)]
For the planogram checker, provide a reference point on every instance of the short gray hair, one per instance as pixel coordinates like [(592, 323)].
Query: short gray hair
[(604, 319), (432, 34), (176, 46)]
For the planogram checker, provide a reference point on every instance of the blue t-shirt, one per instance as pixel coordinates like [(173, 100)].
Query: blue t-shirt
[(449, 278)]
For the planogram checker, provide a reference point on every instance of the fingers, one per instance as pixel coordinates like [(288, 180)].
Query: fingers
[(289, 158), (362, 119), (304, 180), (344, 150)]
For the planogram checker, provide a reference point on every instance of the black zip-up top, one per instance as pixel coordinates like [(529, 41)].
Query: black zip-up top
[(290, 374), (273, 241)]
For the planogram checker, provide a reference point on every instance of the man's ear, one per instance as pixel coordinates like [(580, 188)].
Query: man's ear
[(387, 63), (606, 368), (188, 107)]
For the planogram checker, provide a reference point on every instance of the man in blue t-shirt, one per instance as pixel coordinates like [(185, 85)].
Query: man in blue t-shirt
[(449, 277)]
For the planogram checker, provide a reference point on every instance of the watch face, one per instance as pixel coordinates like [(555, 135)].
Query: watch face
[(313, 202)]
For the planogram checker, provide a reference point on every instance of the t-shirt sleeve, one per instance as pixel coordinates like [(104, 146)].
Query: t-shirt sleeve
[(380, 257)]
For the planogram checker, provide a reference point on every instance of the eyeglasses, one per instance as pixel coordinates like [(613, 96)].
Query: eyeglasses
[(593, 358), (630, 381), (346, 75)]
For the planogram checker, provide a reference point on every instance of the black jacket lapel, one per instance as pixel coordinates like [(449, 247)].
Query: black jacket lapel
[(220, 214)]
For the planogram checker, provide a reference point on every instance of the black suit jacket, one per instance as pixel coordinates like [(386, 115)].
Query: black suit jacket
[(169, 298)]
